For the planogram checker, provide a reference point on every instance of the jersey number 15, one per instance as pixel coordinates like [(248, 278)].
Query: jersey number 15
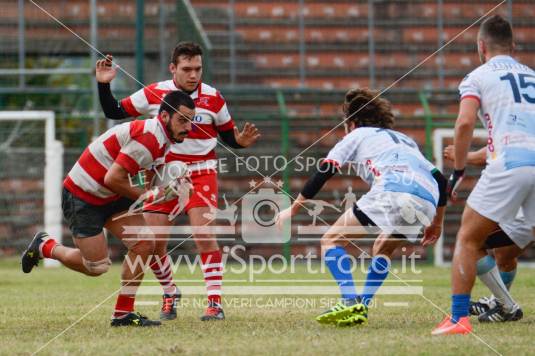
[(523, 80)]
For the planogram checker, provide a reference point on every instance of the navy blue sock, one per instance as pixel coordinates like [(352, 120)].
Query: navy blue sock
[(459, 306), (339, 264), (377, 273)]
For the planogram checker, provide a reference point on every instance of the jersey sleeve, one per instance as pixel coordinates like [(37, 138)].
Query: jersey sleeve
[(427, 165), (223, 121), (141, 152), (470, 87), (345, 150), (136, 104)]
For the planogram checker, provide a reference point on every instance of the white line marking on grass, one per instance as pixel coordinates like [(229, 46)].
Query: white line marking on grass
[(396, 304)]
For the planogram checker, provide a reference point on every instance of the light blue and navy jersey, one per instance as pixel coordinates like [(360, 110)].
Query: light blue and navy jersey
[(387, 160), (505, 90)]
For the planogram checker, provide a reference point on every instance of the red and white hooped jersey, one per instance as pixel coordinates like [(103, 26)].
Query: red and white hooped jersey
[(134, 145), (211, 117)]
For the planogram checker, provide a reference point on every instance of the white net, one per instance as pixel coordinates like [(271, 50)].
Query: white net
[(30, 178)]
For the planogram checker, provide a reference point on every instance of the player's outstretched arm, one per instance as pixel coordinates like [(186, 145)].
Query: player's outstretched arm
[(311, 188), (464, 130), (236, 139), (117, 179), (432, 232), (105, 73), (474, 158)]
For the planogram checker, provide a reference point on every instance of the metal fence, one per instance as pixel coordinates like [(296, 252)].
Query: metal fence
[(284, 65)]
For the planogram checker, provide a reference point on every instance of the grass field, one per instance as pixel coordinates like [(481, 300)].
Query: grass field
[(36, 308)]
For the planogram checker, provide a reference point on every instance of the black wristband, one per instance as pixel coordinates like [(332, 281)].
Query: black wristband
[(229, 138)]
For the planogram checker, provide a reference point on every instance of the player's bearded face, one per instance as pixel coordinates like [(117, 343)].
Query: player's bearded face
[(179, 124), (187, 72)]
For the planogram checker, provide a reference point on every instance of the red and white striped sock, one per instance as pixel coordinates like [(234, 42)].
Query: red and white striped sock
[(161, 266), (212, 269), (47, 247), (124, 305)]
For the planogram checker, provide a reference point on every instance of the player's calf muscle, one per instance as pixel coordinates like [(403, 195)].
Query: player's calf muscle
[(205, 242), (329, 241), (160, 246), (386, 245)]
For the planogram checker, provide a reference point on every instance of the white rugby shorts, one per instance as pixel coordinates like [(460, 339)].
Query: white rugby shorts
[(499, 194), (397, 213)]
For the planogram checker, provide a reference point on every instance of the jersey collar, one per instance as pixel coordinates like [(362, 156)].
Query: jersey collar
[(197, 92), (502, 57)]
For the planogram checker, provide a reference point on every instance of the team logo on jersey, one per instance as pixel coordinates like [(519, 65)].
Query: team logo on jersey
[(203, 101)]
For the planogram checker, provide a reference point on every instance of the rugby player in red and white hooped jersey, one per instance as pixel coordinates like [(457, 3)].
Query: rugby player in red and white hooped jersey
[(97, 194), (198, 150)]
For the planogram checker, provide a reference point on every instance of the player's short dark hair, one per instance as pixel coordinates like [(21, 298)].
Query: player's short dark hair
[(497, 32), (173, 100), (365, 108), (187, 49)]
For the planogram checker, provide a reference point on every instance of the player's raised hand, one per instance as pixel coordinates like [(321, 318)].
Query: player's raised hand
[(105, 71), (449, 153), (247, 136)]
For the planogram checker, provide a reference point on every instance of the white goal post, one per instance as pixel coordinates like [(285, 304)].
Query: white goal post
[(53, 170), (438, 147)]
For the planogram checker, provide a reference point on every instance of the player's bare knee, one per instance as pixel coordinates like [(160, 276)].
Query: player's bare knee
[(505, 263), (96, 268), (467, 241)]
